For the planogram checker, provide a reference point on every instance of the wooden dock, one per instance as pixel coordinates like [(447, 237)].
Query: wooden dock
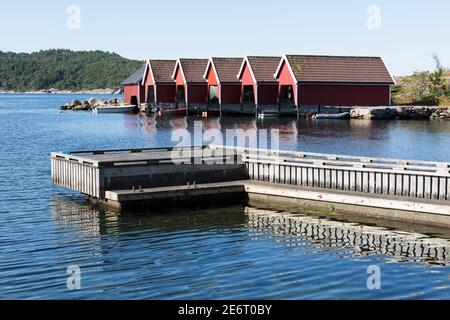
[(160, 177)]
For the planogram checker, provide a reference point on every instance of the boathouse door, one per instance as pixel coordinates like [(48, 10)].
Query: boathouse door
[(134, 101), (287, 100), (151, 95), (181, 97), (248, 99), (213, 98)]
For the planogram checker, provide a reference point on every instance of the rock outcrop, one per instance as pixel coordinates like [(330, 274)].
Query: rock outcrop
[(77, 105), (398, 112), (373, 113), (415, 113)]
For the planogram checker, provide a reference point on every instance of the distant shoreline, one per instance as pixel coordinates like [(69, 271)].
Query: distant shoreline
[(56, 91)]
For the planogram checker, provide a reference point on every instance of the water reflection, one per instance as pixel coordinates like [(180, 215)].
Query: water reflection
[(363, 240), (291, 130), (79, 216), (86, 220), (305, 231)]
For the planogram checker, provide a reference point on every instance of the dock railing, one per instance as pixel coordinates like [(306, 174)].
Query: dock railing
[(407, 178), (91, 172)]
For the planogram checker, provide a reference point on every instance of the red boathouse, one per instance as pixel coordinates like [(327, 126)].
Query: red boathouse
[(159, 87), (191, 87), (224, 88), (259, 86), (307, 81), (132, 88)]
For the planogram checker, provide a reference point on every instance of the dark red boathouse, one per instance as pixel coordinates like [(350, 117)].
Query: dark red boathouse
[(133, 89), (191, 87), (224, 87), (259, 86), (159, 87), (306, 80)]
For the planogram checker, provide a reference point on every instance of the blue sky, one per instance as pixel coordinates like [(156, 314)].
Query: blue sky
[(410, 31)]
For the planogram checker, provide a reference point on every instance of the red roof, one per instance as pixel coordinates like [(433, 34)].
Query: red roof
[(162, 70), (263, 68), (226, 68), (339, 69), (193, 69)]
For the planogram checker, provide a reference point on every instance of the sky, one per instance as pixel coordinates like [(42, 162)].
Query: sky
[(404, 33)]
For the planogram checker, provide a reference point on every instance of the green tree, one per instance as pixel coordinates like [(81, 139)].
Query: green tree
[(439, 86)]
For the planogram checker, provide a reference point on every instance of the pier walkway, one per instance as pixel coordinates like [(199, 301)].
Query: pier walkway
[(416, 191)]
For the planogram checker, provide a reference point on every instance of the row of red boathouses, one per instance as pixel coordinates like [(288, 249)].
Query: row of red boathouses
[(255, 84)]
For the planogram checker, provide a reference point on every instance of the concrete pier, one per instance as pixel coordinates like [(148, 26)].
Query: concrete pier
[(416, 191)]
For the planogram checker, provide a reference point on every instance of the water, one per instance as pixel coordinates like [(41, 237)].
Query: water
[(236, 252)]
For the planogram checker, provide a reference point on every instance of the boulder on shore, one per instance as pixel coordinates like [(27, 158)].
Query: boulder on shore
[(91, 103), (373, 113), (395, 112), (414, 113), (75, 103), (441, 114)]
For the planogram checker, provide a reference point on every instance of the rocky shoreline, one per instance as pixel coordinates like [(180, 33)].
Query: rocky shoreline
[(88, 105), (401, 113), (364, 113)]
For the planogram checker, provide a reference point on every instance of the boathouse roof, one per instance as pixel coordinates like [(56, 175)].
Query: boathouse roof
[(226, 69), (192, 69), (135, 78), (161, 70), (337, 69), (262, 68)]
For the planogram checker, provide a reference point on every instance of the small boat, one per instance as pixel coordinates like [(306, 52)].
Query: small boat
[(114, 109), (342, 115)]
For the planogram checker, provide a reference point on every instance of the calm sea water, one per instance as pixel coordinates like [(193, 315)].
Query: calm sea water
[(235, 252)]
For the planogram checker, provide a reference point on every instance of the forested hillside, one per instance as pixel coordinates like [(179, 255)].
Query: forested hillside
[(64, 70)]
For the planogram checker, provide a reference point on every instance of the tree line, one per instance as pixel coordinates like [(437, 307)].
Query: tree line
[(64, 70)]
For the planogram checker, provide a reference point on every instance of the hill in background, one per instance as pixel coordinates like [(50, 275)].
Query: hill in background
[(64, 70)]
